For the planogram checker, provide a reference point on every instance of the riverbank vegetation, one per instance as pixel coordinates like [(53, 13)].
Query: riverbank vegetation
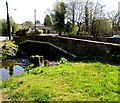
[(9, 49), (71, 81)]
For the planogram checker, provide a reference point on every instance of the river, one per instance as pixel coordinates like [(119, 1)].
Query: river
[(12, 67)]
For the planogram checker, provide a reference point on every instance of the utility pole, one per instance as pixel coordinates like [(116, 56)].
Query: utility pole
[(35, 18), (8, 22)]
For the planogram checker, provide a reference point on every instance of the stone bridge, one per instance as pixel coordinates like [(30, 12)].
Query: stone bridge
[(71, 46)]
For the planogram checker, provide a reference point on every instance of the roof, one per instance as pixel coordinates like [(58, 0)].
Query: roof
[(39, 27)]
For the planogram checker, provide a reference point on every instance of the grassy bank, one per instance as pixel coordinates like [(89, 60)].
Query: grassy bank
[(73, 81)]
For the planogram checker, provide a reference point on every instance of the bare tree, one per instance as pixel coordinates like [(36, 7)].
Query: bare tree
[(114, 17), (98, 16), (75, 13)]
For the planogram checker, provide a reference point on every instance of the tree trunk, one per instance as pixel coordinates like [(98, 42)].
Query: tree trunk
[(93, 28), (86, 17), (79, 28)]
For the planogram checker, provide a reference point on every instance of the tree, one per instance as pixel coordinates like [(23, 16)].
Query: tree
[(47, 21), (37, 22), (86, 16), (114, 18), (28, 23), (59, 17), (97, 15), (13, 26), (71, 7), (68, 27), (74, 13), (78, 13)]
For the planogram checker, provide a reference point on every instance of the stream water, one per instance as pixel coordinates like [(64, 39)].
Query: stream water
[(12, 67)]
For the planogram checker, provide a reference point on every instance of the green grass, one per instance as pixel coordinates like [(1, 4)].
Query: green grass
[(76, 81)]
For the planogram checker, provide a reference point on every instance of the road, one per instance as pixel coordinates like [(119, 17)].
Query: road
[(2, 38)]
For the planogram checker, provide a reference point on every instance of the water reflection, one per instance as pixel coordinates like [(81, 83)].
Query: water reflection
[(9, 68), (6, 73)]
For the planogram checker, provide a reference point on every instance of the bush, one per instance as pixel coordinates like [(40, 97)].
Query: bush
[(9, 49), (40, 31), (37, 31), (63, 60), (84, 33), (22, 31)]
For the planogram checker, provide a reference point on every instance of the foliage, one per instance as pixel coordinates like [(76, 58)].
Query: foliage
[(9, 49), (59, 17), (28, 23), (37, 31), (22, 31), (38, 22), (72, 81), (102, 27), (114, 18), (115, 57), (84, 33), (63, 60), (40, 31), (13, 26), (47, 21), (74, 30), (28, 68), (68, 28), (88, 16)]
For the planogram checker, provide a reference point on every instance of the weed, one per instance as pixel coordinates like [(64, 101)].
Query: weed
[(28, 68)]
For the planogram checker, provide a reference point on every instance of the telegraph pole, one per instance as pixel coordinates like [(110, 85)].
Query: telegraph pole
[(8, 22)]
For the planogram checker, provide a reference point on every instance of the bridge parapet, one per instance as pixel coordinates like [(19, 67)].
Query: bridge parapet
[(78, 47)]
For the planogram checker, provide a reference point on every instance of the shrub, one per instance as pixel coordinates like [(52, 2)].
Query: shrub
[(40, 31), (22, 31), (63, 60), (84, 33), (9, 49)]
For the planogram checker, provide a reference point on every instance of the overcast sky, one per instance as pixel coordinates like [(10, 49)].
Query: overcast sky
[(25, 8)]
